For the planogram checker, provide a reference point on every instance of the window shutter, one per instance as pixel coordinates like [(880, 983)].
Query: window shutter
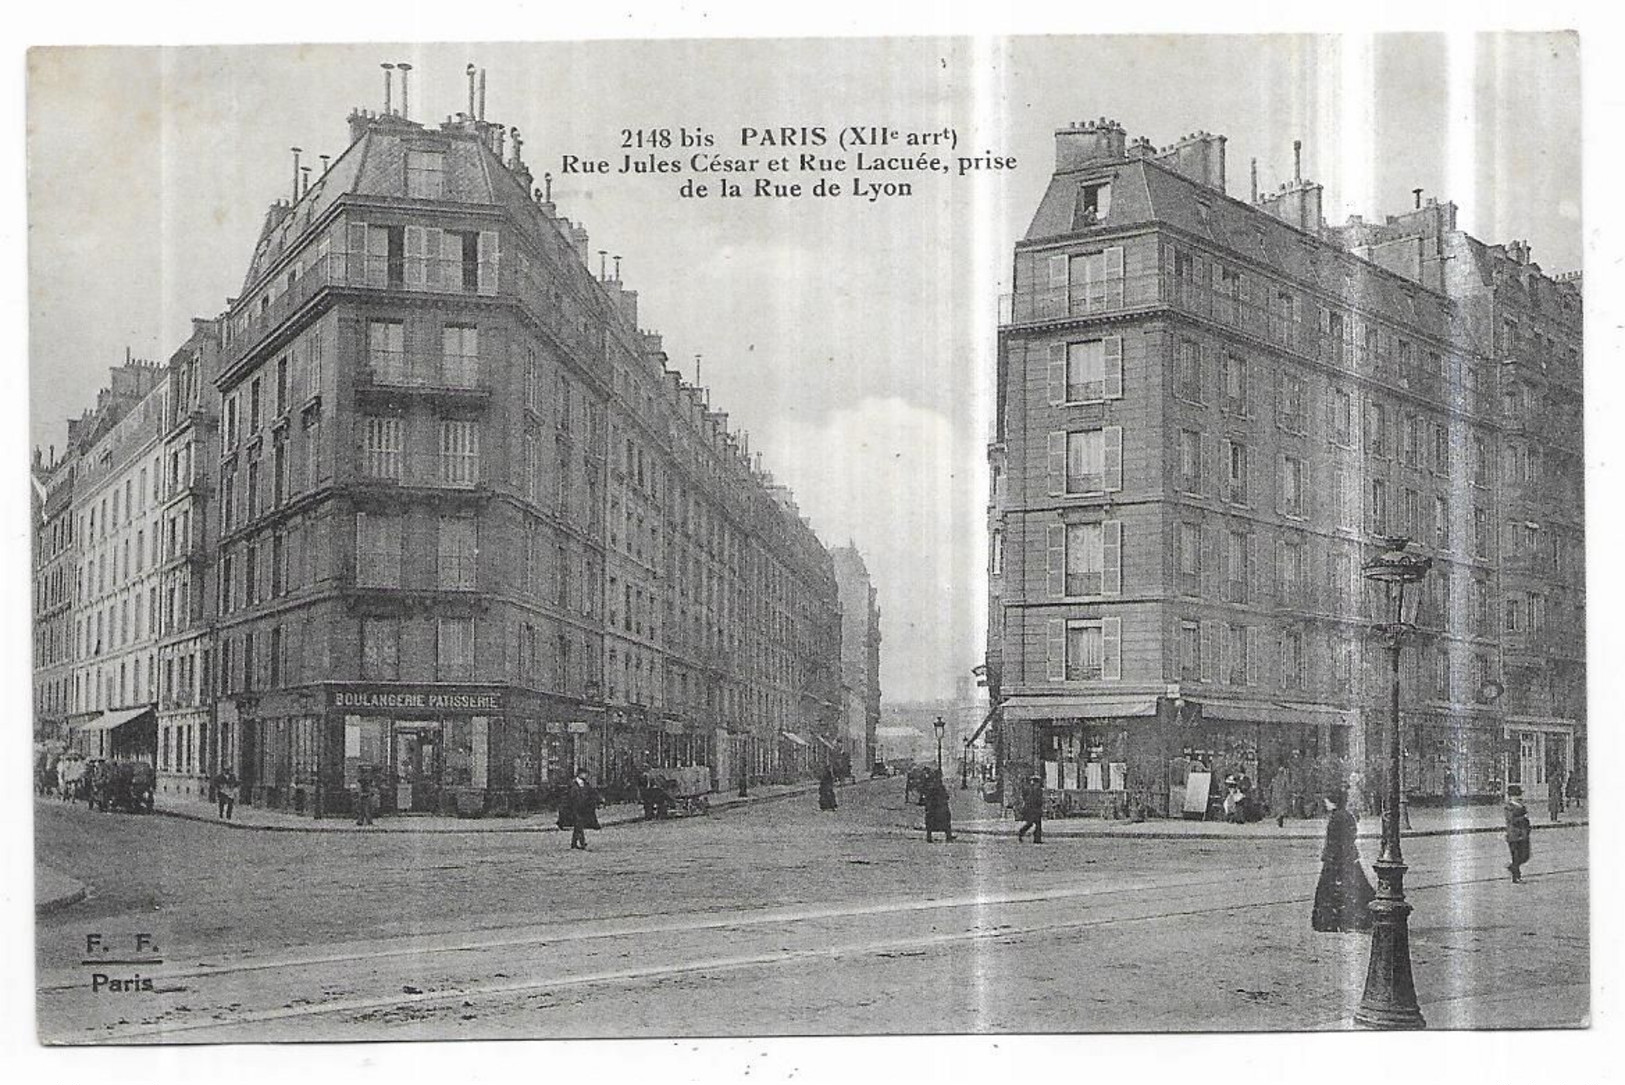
[(433, 249), (1281, 657), (1057, 463), (1056, 550), (1280, 484), (1114, 366), (1253, 585), (1226, 664), (1255, 655), (1056, 649), (1111, 544), (1224, 469), (1057, 271), (489, 261), (1211, 573), (1209, 650), (415, 245), (1111, 648), (1114, 277), (1206, 369), (1207, 473), (1112, 456), (357, 252), (1057, 373)]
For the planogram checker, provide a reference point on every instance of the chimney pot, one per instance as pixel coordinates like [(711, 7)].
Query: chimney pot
[(388, 82)]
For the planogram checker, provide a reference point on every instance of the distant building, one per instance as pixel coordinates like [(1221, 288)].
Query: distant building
[(1209, 412), (860, 654)]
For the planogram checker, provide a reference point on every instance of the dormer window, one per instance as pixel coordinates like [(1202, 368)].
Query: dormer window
[(425, 174), (1093, 205)]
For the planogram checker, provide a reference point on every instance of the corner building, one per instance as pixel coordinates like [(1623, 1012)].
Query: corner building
[(1208, 412), (472, 533)]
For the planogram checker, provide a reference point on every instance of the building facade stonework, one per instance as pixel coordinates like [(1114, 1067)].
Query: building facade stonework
[(1208, 413)]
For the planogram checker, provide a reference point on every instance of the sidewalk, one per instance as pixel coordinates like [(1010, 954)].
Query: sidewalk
[(253, 817), (1425, 821), (54, 890)]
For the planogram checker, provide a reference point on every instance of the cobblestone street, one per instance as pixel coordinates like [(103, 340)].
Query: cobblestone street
[(773, 919)]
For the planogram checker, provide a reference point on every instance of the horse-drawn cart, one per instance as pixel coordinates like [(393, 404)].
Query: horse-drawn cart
[(677, 792), (121, 785)]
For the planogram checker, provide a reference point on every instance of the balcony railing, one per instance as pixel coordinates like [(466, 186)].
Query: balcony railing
[(398, 370), (421, 469)]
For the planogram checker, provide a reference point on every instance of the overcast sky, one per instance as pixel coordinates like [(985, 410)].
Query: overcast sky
[(852, 340)]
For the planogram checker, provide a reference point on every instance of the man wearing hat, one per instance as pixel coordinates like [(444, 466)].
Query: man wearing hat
[(1032, 810)]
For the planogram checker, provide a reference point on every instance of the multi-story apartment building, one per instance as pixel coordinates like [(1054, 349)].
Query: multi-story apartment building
[(860, 654), (473, 533), (115, 507), (188, 739), (56, 571), (1208, 411)]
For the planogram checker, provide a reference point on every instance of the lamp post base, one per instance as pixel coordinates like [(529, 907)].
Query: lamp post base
[(1389, 1001)]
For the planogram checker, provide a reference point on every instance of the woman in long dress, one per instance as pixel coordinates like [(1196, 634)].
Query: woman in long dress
[(1343, 893)]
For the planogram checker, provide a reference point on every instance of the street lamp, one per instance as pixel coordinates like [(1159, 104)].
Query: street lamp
[(1389, 1001), (939, 726)]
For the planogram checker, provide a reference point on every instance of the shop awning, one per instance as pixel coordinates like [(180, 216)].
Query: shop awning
[(109, 721), (790, 736), (1071, 708), (1275, 712)]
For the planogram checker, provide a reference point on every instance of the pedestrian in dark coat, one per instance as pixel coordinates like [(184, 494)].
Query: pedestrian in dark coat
[(938, 816), (225, 794), (579, 810), (826, 790), (1343, 894), (1032, 810), (1554, 793), (1517, 815)]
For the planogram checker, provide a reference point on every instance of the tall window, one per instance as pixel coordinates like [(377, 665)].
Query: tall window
[(1441, 522), (313, 463), (1291, 410), (386, 351), (1341, 417), (1294, 568), (1235, 654), (458, 552), (1377, 508), (1081, 372), (380, 648), (1085, 651), (1230, 295), (454, 645), (1190, 652), (279, 469), (383, 448), (1086, 461), (1190, 558), (1097, 281), (1093, 204), (460, 356), (459, 452), (425, 174), (378, 550), (1233, 461), (1188, 381), (1086, 559), (1233, 383), (1292, 668), (1292, 485), (1236, 566), (1190, 460)]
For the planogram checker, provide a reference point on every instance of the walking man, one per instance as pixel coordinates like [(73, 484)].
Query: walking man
[(1518, 831), (225, 794), (938, 813), (366, 793), (1032, 810), (1554, 793), (582, 803)]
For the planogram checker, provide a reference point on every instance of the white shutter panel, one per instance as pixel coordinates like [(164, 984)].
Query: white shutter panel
[(1111, 543), (357, 253), (415, 241), (1224, 469), (1057, 373), (434, 247), (1210, 658), (1226, 664), (1114, 278), (1224, 568), (1057, 463), (1055, 643), (1114, 366), (1207, 478), (1255, 655), (489, 261), (1056, 550), (1255, 578), (1206, 371), (1111, 648), (1210, 562), (1112, 456), (1057, 271), (1280, 484)]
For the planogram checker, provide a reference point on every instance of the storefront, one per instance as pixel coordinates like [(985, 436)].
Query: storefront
[(432, 749), (1540, 754), (127, 734)]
